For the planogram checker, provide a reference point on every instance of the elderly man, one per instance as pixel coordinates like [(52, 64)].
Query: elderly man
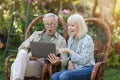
[(23, 66)]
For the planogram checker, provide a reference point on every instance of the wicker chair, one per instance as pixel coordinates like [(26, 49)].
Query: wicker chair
[(100, 32), (11, 58)]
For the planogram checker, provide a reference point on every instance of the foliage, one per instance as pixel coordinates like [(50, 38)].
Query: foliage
[(116, 36), (2, 73), (113, 60)]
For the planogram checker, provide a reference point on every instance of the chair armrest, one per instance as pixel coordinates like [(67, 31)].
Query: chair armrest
[(50, 69), (98, 70), (6, 63), (47, 67)]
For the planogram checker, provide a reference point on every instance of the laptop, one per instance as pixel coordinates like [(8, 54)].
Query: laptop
[(42, 49)]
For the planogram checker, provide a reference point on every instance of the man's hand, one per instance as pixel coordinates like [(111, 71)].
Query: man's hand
[(54, 59)]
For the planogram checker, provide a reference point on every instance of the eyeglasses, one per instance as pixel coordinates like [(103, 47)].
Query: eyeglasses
[(51, 24)]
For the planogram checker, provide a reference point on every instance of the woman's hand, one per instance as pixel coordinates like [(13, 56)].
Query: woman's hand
[(54, 59), (62, 50), (70, 65), (65, 50)]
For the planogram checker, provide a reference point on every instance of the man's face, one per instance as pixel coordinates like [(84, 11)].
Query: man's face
[(50, 25)]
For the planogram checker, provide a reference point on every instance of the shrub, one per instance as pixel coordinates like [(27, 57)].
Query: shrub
[(113, 60)]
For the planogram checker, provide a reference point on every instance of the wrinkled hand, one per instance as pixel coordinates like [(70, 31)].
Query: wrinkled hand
[(70, 65), (65, 50), (62, 50), (33, 58), (54, 59)]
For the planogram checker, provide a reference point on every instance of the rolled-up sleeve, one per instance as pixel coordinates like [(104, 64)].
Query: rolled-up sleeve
[(26, 44), (83, 57), (84, 53)]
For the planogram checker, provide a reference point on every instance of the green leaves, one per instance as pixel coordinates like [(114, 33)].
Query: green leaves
[(113, 60)]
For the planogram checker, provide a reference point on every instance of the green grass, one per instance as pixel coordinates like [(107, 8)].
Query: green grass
[(110, 73)]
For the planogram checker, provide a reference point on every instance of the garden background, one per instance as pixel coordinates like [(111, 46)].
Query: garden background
[(19, 13)]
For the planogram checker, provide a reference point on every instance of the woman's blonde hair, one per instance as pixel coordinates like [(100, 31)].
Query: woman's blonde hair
[(79, 21)]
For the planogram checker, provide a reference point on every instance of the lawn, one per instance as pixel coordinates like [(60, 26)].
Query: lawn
[(110, 73)]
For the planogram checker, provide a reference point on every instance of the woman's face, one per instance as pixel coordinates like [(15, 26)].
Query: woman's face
[(73, 29), (50, 25)]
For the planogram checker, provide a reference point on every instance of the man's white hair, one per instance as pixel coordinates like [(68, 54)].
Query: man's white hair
[(49, 15)]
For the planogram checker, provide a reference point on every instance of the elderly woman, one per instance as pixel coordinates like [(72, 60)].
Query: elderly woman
[(80, 49)]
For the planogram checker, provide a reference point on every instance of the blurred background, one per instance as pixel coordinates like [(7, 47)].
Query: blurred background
[(15, 15)]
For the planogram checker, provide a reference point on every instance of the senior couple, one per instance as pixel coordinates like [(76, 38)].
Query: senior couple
[(79, 50)]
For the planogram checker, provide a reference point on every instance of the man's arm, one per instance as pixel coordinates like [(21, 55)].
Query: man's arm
[(26, 44)]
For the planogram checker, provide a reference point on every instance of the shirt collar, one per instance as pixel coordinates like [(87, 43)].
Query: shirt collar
[(55, 35)]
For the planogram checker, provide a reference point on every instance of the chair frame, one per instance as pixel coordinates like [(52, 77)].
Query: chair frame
[(98, 70)]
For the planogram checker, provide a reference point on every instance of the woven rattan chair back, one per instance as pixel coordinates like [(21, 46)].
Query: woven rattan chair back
[(100, 32)]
